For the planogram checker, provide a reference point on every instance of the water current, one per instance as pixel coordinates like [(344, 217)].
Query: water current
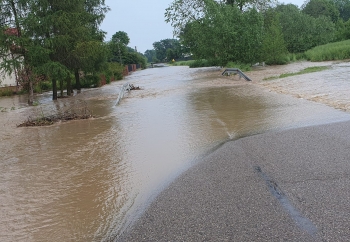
[(88, 180)]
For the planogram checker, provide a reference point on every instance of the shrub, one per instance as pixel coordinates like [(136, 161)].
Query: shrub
[(332, 51), (46, 85), (241, 66), (204, 63), (280, 60), (199, 63), (182, 63), (114, 71), (90, 80), (6, 92)]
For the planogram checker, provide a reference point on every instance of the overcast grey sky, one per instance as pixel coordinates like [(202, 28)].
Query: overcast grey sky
[(143, 21)]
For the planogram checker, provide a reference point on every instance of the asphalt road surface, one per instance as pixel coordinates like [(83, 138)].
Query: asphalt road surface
[(290, 185)]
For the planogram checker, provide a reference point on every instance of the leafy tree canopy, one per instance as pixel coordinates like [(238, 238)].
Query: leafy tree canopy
[(302, 31), (121, 37), (50, 35), (343, 7), (168, 49), (225, 34), (182, 12), (151, 55), (318, 8)]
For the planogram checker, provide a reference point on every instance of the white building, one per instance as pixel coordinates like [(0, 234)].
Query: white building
[(6, 80)]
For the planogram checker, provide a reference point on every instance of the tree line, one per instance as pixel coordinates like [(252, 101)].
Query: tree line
[(251, 31), (166, 50), (60, 42)]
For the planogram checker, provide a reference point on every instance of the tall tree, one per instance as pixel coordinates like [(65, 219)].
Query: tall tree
[(15, 42), (58, 28), (343, 7), (318, 8), (274, 48), (151, 55), (302, 31), (182, 12), (225, 34), (118, 46), (168, 49)]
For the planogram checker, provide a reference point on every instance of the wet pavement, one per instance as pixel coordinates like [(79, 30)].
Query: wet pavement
[(279, 186)]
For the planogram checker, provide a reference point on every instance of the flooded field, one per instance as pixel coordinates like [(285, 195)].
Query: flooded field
[(87, 180)]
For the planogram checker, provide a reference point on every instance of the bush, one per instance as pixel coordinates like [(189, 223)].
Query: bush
[(198, 63), (43, 86), (90, 80), (241, 66), (6, 92), (114, 70), (46, 85), (203, 63), (182, 63), (333, 51), (280, 60)]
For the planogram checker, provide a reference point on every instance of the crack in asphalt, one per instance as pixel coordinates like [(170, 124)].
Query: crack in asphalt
[(303, 222)]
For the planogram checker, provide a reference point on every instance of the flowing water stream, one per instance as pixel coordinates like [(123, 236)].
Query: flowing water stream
[(87, 180)]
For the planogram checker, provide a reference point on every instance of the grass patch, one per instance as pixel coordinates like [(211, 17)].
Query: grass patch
[(305, 71), (203, 63), (332, 51), (182, 63), (196, 63)]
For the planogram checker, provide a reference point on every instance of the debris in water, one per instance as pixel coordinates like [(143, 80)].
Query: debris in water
[(67, 115)]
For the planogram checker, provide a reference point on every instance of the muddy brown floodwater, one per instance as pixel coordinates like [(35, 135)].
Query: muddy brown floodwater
[(87, 180)]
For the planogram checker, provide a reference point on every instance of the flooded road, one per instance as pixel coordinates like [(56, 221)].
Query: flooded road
[(87, 180)]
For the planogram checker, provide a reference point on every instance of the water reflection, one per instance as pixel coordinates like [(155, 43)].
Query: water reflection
[(87, 180)]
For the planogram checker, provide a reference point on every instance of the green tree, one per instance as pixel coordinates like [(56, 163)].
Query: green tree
[(343, 7), (118, 46), (225, 34), (168, 48), (274, 50), (343, 30), (121, 37), (123, 54), (58, 28), (151, 55), (182, 12), (318, 8), (14, 43), (301, 31), (49, 36)]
